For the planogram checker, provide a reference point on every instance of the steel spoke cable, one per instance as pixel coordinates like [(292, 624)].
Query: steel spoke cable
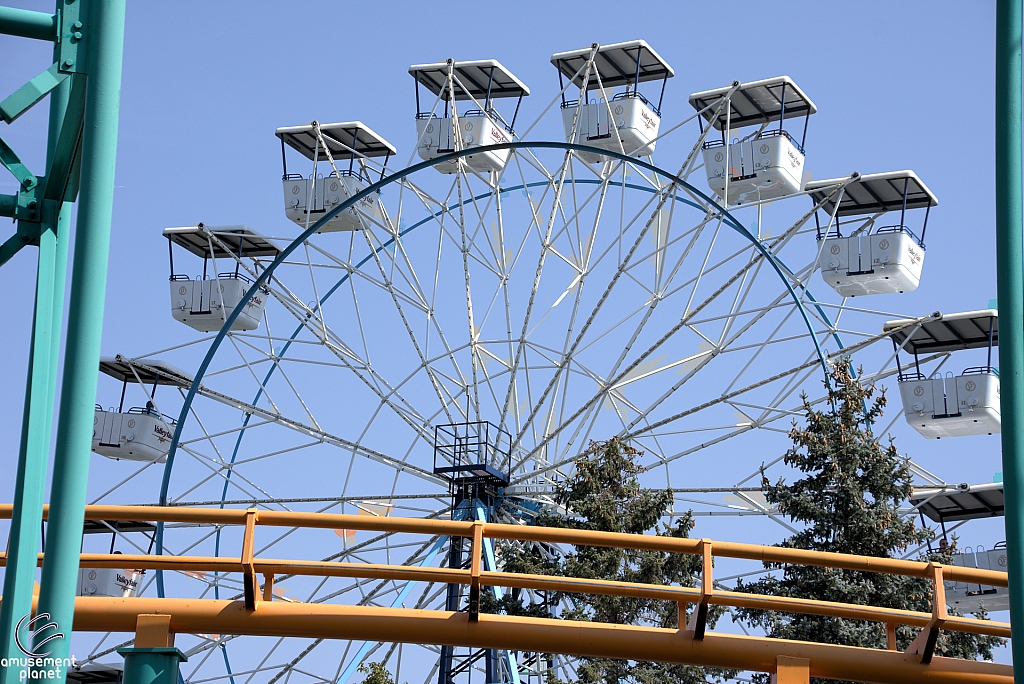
[(566, 164), (586, 326), (486, 376)]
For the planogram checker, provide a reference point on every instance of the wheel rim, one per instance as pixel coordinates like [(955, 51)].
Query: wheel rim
[(538, 416)]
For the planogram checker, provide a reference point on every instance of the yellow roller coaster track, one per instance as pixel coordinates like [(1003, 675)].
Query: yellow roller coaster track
[(156, 620)]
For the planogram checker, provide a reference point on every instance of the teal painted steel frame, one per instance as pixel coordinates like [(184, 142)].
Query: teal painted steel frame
[(85, 322), (152, 665), (28, 24), (50, 231), (1010, 262)]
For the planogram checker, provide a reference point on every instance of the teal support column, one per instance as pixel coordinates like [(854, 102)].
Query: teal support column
[(37, 420), (36, 433), (84, 325), (151, 665), (1010, 262)]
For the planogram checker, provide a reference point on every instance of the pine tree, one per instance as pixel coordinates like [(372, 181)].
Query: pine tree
[(848, 502), (605, 495)]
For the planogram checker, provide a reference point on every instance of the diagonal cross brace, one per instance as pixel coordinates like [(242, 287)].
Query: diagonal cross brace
[(62, 179), (25, 97), (13, 163)]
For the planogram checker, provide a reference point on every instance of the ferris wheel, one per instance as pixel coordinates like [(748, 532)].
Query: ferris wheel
[(444, 340)]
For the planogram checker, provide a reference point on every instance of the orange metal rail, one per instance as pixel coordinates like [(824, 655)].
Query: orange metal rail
[(258, 614)]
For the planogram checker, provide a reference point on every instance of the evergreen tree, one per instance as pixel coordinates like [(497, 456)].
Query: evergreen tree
[(605, 495), (848, 502)]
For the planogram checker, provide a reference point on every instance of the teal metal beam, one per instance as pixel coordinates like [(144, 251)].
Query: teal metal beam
[(11, 247), (73, 32), (34, 448), (25, 97), (84, 326), (28, 234), (28, 24), (13, 163), (8, 206), (61, 182), (40, 394), (36, 216), (151, 665), (1010, 262)]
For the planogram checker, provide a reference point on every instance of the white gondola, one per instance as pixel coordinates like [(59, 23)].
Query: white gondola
[(952, 405), (755, 164), (343, 150), (970, 598), (626, 121), (871, 259), (117, 583), (463, 115), (205, 302), (954, 503), (113, 582), (138, 433)]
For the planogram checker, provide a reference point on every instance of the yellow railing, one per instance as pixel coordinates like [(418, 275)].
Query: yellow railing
[(117, 611)]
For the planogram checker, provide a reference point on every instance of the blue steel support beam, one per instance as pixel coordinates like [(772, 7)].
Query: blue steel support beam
[(28, 24), (399, 601), (1010, 262), (84, 327)]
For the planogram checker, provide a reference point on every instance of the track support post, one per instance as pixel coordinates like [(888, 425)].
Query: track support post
[(789, 670), (699, 619), (153, 659), (250, 583), (890, 636), (924, 644), (474, 570)]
